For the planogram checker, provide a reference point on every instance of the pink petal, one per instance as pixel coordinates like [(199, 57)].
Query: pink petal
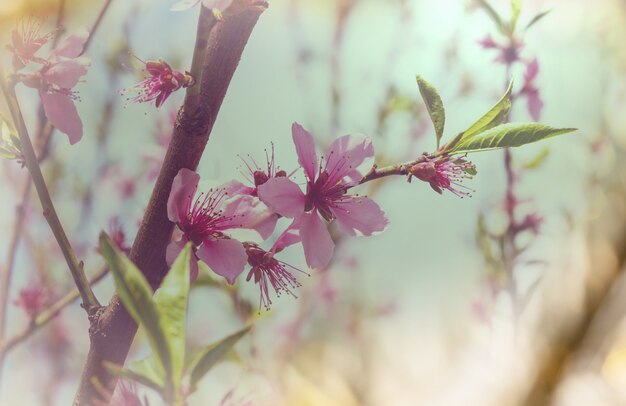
[(226, 257), (316, 241), (346, 154), (66, 74), (172, 252), (289, 237), (184, 5), (62, 113), (360, 214), (235, 187), (305, 148), (72, 46), (183, 190), (532, 69), (534, 104), (250, 213), (266, 226), (282, 196)]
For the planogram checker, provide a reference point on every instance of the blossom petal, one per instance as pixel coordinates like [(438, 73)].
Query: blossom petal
[(305, 148), (66, 74), (72, 46), (183, 190), (360, 214), (250, 213), (345, 155), (226, 257), (173, 250), (235, 187), (282, 196), (62, 113), (316, 241), (289, 237), (534, 104)]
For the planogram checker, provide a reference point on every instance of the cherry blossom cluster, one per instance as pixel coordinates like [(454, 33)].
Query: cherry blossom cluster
[(208, 219), (55, 75)]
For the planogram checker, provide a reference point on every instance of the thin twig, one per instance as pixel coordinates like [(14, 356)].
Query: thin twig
[(47, 315), (90, 303)]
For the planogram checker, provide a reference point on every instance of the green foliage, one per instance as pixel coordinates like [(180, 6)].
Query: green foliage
[(537, 18), (211, 354), (434, 105), (507, 135), (136, 295), (494, 117), (164, 319), (488, 132)]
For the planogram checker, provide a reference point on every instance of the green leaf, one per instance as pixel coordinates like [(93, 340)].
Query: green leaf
[(537, 18), (493, 15), (211, 354), (508, 135), (129, 375), (148, 367), (538, 160), (434, 106), (494, 117), (136, 295), (171, 301), (516, 8)]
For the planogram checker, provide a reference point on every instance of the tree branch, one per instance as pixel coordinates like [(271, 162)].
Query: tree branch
[(219, 46)]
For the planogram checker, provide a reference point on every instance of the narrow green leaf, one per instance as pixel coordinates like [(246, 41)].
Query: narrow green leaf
[(508, 135), (493, 15), (129, 375), (538, 160), (494, 117), (148, 367), (537, 18), (171, 301), (136, 295), (516, 8), (434, 105), (211, 354)]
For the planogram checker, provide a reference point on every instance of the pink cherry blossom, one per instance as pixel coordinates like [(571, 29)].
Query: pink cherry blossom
[(326, 194), (26, 41), (445, 173), (204, 219), (269, 272), (162, 82), (530, 90), (62, 71), (31, 299), (508, 53)]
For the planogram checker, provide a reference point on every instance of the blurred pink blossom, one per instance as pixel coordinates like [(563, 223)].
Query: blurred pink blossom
[(162, 82)]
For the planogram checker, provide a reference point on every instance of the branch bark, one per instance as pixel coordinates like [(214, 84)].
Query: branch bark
[(220, 46)]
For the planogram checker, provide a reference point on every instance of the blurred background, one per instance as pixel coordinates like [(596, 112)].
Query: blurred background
[(512, 296)]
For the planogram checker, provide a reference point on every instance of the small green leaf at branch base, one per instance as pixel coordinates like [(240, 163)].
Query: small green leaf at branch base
[(211, 355), (434, 105), (129, 375), (508, 135), (136, 295), (171, 302)]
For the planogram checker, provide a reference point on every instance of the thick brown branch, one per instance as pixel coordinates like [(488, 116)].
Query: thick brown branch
[(114, 330)]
